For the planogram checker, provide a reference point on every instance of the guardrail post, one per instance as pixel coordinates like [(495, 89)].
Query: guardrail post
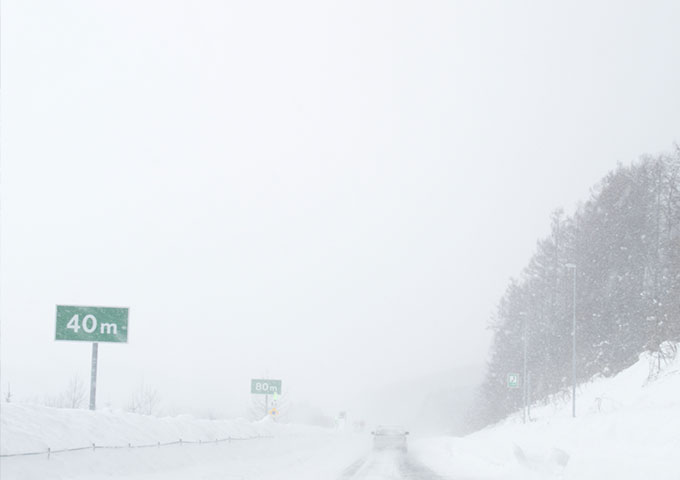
[(159, 444), (93, 447), (48, 452), (180, 442)]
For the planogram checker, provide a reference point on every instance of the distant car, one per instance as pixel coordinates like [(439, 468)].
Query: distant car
[(389, 437)]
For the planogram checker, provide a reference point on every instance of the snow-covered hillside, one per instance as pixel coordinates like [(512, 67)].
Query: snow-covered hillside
[(627, 427)]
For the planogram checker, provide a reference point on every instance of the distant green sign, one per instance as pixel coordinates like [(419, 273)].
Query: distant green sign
[(92, 324), (513, 380), (264, 387)]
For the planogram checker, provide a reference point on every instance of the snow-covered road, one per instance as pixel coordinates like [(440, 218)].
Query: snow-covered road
[(310, 456), (388, 465), (633, 435), (262, 450)]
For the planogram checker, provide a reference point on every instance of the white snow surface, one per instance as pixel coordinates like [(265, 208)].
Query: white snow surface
[(627, 427), (259, 450)]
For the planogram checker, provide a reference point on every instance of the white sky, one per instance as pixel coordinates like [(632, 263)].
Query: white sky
[(334, 194)]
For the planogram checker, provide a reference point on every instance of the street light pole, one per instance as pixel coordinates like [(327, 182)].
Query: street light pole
[(524, 373), (572, 266)]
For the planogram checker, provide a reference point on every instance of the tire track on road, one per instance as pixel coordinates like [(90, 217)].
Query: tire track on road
[(389, 466)]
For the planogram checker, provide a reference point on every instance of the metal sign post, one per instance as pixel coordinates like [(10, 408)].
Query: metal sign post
[(259, 386), (92, 324), (93, 377)]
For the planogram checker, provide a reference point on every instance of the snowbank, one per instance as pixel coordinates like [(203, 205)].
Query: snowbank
[(627, 427), (28, 428)]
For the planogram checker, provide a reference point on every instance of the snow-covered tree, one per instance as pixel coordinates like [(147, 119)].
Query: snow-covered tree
[(625, 243)]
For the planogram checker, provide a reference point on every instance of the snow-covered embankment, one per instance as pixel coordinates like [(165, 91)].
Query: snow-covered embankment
[(209, 448), (627, 427)]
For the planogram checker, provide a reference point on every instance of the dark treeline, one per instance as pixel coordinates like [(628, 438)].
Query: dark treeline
[(625, 245)]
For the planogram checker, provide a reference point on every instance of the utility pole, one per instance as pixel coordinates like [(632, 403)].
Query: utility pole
[(572, 267)]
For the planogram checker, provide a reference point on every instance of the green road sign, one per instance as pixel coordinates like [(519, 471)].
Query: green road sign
[(513, 380), (264, 387), (92, 324)]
